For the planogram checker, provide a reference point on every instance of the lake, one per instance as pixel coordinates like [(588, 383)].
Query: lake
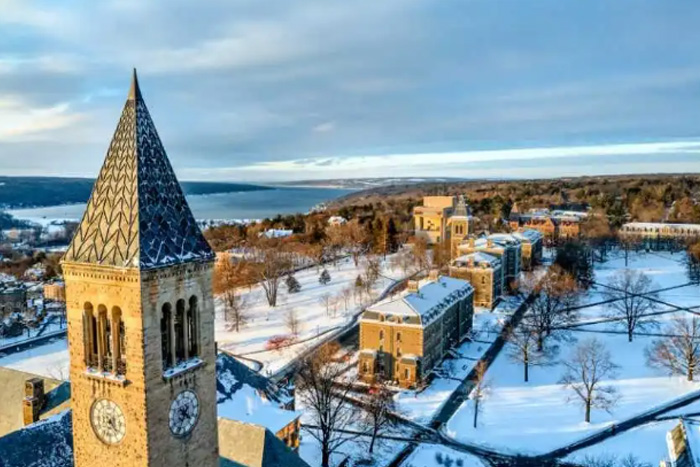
[(221, 206)]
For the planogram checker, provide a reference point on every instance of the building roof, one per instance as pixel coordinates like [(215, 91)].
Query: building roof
[(504, 239), (659, 225), (479, 258), (245, 445), (462, 210), (137, 215), (12, 390), (433, 297), (47, 443), (691, 429), (528, 235)]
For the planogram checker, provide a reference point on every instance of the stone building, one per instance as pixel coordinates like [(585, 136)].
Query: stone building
[(13, 299), (55, 291), (659, 230), (554, 224), (503, 246), (531, 245), (402, 338), (484, 273), (431, 219), (683, 444), (462, 224)]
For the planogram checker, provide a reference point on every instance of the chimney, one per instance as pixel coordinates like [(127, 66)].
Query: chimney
[(412, 286), (470, 262), (434, 275), (489, 242), (472, 243), (33, 400)]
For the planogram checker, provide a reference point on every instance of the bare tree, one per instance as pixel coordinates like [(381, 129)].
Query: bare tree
[(379, 405), (326, 300), (292, 322), (523, 349), (679, 351), (226, 281), (611, 460), (586, 369), (274, 264), (553, 297), (345, 296), (325, 403), (481, 387), (631, 300), (419, 253)]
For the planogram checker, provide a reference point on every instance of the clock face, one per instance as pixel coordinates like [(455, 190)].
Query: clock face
[(108, 421), (184, 412)]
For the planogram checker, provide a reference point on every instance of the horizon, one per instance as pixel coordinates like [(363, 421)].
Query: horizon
[(325, 91)]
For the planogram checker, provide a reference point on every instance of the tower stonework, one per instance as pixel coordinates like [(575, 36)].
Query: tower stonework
[(138, 276)]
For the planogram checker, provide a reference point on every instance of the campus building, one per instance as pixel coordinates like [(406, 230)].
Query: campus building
[(402, 338), (484, 272), (431, 219), (553, 224), (504, 246), (658, 230), (531, 246)]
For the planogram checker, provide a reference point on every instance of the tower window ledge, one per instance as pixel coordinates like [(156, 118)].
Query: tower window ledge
[(183, 367), (93, 373)]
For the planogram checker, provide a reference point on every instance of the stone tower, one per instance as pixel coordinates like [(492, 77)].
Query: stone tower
[(140, 312), (459, 225)]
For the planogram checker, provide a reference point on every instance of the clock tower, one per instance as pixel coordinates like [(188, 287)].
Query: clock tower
[(140, 312)]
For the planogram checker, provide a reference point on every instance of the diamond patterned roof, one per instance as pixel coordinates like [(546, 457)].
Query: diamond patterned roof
[(137, 215)]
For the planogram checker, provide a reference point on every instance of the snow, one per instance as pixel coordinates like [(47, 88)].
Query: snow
[(647, 443), (539, 416), (246, 405), (316, 323), (429, 456), (50, 360)]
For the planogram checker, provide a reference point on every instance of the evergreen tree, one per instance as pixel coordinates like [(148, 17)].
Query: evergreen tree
[(293, 285), (325, 277), (392, 235), (359, 282)]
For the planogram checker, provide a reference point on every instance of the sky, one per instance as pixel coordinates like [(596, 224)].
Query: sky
[(250, 90)]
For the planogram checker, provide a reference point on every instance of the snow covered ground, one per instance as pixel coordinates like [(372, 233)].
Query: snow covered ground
[(429, 456), (537, 417), (423, 405), (317, 320), (50, 360)]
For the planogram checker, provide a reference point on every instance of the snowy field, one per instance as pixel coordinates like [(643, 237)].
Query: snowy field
[(537, 417), (436, 456), (53, 327), (421, 406), (50, 360), (317, 320)]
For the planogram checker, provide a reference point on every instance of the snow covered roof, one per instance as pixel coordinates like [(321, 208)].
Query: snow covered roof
[(137, 215), (529, 235), (659, 225), (276, 233), (504, 238), (431, 300), (249, 397), (478, 258), (47, 443)]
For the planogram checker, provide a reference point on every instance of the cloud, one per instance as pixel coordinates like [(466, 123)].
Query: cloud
[(18, 123), (324, 127)]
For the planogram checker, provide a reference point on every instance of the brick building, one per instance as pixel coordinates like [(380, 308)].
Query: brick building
[(531, 245), (431, 219), (403, 338)]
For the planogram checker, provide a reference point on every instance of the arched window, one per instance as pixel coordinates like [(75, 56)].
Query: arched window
[(89, 335), (166, 319), (179, 330), (398, 337), (104, 336), (117, 341), (381, 334), (192, 328)]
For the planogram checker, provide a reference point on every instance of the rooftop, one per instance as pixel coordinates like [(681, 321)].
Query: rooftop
[(478, 258)]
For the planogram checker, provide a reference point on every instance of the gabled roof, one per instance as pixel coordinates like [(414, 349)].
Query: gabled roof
[(137, 215), (246, 445)]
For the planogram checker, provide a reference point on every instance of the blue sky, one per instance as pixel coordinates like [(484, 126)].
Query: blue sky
[(297, 89)]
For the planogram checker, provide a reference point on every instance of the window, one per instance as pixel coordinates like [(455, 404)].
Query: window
[(89, 335), (179, 330), (104, 336), (398, 337), (406, 373), (116, 342), (165, 342), (381, 334), (192, 330), (483, 279)]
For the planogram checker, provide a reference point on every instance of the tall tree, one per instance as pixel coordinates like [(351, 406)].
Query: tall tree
[(575, 258), (325, 403), (481, 387), (586, 370), (679, 350), (630, 297), (553, 298), (523, 350), (226, 281), (274, 264)]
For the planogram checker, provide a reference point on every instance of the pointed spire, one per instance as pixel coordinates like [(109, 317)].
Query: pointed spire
[(461, 210), (134, 91), (137, 215)]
